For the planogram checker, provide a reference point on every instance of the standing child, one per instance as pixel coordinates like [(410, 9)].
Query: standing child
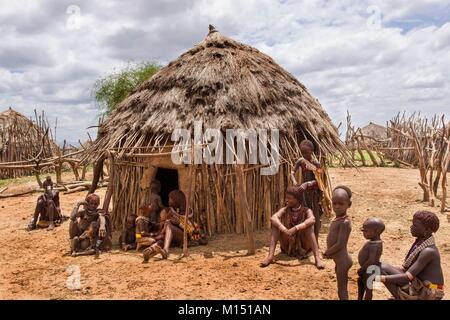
[(312, 194), (337, 240), (155, 200), (369, 255)]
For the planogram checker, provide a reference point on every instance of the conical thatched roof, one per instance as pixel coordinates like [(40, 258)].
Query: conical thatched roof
[(375, 131), (225, 84), (21, 138)]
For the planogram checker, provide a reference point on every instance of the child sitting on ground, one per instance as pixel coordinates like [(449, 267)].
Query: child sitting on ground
[(88, 243), (155, 199), (143, 227)]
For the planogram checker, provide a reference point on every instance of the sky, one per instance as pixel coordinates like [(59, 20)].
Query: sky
[(373, 58)]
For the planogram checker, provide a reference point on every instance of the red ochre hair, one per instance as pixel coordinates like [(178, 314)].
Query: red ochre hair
[(93, 197), (429, 220), (297, 192)]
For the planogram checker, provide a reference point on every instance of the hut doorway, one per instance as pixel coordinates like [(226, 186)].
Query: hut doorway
[(169, 182)]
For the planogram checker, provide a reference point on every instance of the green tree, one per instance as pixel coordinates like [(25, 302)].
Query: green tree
[(114, 88)]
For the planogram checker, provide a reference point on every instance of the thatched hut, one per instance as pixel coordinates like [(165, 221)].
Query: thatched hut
[(21, 139), (375, 132), (226, 85)]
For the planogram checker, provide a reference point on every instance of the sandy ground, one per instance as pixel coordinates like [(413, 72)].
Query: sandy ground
[(33, 265)]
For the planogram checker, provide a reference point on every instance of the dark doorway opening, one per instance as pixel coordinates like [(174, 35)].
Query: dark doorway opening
[(169, 182)]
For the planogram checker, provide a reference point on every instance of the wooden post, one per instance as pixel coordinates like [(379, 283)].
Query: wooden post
[(189, 198), (74, 165), (245, 210), (110, 189), (361, 154), (83, 172), (422, 167), (380, 155), (369, 152), (58, 170), (431, 166), (38, 178), (98, 168), (444, 167)]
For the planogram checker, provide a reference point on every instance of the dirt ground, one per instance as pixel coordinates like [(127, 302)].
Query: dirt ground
[(33, 265)]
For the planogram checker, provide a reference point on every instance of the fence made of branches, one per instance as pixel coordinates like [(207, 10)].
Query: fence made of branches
[(413, 141), (27, 147)]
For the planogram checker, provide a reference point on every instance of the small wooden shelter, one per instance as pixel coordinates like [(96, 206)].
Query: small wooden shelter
[(22, 139), (226, 85)]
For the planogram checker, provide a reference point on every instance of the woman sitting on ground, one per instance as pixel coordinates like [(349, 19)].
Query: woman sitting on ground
[(421, 276), (173, 224)]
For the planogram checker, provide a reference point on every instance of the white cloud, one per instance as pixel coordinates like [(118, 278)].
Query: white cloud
[(373, 58)]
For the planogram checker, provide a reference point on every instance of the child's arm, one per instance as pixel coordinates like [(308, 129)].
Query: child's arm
[(425, 257), (76, 212), (294, 170), (140, 229), (84, 235), (309, 221), (310, 185), (344, 233), (159, 203), (276, 220), (145, 234), (316, 164), (159, 236)]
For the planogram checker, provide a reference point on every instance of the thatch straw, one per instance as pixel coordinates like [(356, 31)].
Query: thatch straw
[(21, 140), (225, 84)]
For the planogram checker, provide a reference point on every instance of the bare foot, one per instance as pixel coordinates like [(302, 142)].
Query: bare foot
[(67, 254), (51, 227), (319, 265), (266, 262), (148, 253), (305, 255), (302, 252), (162, 251)]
